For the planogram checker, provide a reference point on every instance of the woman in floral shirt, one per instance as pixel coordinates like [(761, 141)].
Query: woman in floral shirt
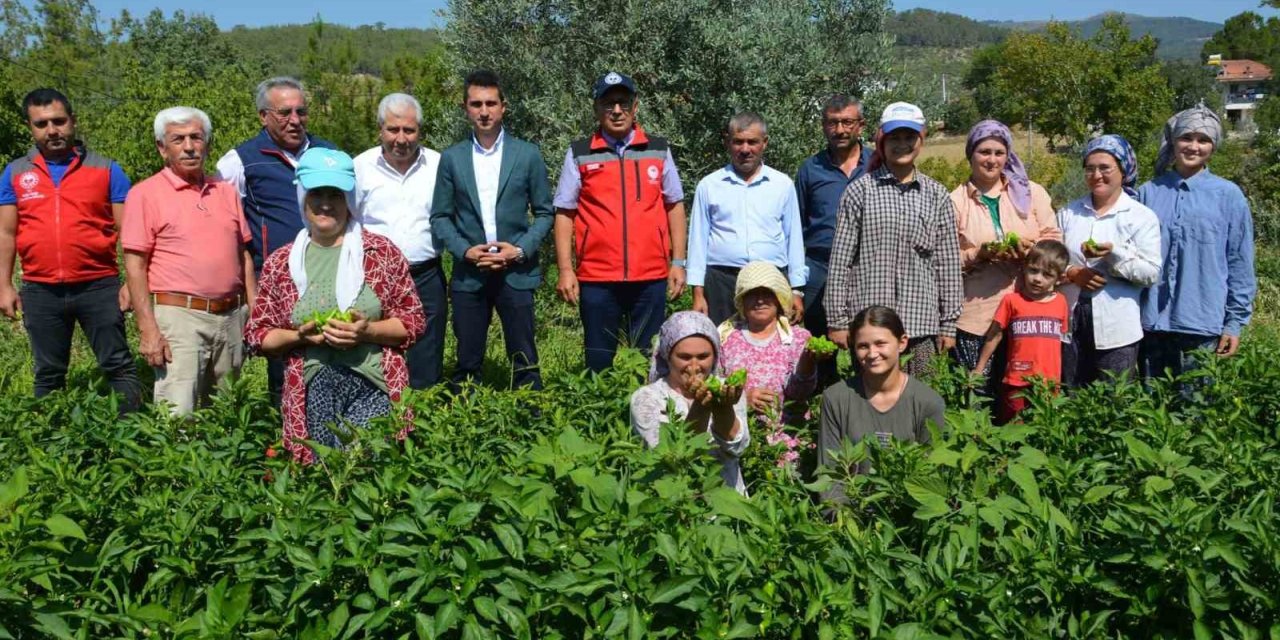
[(759, 338), (338, 373)]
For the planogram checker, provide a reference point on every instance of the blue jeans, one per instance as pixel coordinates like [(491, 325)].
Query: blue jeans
[(50, 314), (603, 305), (472, 312), (426, 356)]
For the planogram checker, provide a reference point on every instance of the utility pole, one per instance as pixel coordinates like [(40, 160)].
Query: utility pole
[(944, 88)]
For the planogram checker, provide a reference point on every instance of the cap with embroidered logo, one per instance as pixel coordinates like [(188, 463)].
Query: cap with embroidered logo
[(902, 115), (320, 167), (611, 80)]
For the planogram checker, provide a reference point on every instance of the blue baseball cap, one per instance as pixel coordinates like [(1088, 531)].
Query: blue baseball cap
[(321, 167), (902, 115), (611, 80)]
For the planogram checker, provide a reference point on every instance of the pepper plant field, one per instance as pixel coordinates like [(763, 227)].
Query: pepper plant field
[(1113, 513)]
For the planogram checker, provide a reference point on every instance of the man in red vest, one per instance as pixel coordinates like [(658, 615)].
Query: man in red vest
[(60, 212), (620, 211)]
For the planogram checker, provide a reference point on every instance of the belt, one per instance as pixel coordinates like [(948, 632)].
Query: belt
[(426, 265), (732, 271), (196, 303)]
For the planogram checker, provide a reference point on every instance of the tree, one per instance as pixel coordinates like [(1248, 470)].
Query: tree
[(1071, 88), (694, 65), (1191, 83), (1248, 36)]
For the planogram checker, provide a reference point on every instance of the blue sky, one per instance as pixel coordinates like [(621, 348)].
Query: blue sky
[(394, 13)]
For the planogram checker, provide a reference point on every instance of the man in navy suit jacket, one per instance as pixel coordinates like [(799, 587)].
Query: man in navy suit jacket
[(486, 188)]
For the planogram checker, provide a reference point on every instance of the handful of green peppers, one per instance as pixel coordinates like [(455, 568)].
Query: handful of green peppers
[(717, 385)]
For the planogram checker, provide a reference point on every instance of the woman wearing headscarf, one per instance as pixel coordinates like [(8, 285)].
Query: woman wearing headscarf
[(998, 201), (688, 352), (760, 339), (1204, 295), (339, 373), (1114, 242)]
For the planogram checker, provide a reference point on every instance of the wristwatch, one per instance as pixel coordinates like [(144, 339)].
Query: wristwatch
[(679, 262), (519, 255), (799, 293)]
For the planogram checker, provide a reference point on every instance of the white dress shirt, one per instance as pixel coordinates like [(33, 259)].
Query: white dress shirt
[(230, 166), (398, 205), (1133, 264), (487, 165)]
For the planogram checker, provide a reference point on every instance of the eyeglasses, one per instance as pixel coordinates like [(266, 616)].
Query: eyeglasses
[(284, 114), (622, 103), (1102, 170), (843, 124)]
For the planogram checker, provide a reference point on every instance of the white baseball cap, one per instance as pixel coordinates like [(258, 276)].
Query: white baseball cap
[(902, 115)]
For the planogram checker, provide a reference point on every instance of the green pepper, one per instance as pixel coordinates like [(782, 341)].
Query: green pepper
[(820, 345), (737, 378), (1091, 245)]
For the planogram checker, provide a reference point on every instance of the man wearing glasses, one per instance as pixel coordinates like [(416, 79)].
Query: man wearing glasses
[(262, 169), (620, 212), (820, 183)]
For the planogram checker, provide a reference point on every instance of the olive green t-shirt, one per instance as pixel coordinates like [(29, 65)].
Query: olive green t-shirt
[(365, 359)]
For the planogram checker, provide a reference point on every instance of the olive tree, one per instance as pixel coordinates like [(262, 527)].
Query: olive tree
[(695, 62)]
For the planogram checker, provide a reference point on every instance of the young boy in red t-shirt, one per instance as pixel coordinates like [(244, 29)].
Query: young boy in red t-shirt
[(1035, 315)]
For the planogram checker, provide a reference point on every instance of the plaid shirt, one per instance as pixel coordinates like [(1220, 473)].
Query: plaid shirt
[(896, 245)]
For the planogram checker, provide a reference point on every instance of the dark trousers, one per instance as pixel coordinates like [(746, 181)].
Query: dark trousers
[(1171, 352), (603, 305), (718, 288), (1084, 363), (50, 314), (426, 357), (472, 312), (815, 313)]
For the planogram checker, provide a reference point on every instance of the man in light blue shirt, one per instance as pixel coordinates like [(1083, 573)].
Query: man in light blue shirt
[(1204, 296), (743, 212)]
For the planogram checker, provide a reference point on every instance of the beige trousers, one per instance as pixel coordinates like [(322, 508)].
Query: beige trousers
[(206, 347)]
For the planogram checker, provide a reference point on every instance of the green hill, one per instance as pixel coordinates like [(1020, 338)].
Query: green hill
[(1180, 38), (927, 28), (283, 46)]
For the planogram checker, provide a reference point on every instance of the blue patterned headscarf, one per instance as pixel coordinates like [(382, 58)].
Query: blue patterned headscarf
[(1122, 151), (679, 326), (1014, 171)]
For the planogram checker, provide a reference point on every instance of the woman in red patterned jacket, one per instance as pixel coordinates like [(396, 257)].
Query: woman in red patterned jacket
[(340, 372)]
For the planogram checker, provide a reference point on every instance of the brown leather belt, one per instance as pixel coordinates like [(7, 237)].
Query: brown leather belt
[(196, 303)]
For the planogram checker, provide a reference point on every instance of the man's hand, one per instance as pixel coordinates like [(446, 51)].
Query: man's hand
[(840, 337), (1086, 278), (946, 344), (675, 282), (567, 287), (153, 347), (1228, 345), (123, 299), (797, 310), (700, 300), (10, 302), (1099, 250), (499, 260)]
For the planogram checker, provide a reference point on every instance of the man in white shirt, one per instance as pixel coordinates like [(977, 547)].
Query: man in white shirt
[(395, 182)]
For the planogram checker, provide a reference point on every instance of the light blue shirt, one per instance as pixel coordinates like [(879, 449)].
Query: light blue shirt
[(1133, 264), (1207, 282), (734, 222)]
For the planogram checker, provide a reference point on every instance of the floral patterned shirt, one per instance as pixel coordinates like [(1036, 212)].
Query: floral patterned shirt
[(770, 364), (385, 271)]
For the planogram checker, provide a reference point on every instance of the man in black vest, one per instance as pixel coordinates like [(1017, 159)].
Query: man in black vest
[(262, 170)]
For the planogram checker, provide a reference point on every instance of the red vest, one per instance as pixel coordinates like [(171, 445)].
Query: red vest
[(621, 231), (66, 234)]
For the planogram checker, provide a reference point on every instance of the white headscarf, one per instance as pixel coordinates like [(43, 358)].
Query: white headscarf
[(350, 261)]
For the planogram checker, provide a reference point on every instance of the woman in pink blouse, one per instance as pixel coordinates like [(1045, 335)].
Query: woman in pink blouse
[(759, 338), (997, 201)]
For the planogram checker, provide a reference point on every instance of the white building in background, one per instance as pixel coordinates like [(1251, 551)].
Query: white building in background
[(1243, 84)]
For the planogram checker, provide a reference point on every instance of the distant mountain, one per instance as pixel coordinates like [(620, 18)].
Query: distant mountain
[(927, 28), (1180, 38)]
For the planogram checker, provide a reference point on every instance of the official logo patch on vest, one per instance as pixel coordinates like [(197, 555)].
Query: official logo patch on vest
[(653, 174), (28, 180), (594, 166)]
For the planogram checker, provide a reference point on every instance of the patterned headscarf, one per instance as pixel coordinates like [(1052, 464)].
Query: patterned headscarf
[(1122, 151), (1198, 119), (679, 326), (756, 275), (1014, 171)]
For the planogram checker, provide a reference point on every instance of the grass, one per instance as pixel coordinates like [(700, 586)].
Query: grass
[(951, 148)]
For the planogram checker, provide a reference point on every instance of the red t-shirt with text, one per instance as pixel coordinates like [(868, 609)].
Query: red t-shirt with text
[(1034, 331)]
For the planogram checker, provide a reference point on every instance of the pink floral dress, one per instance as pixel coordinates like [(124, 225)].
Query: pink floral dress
[(771, 363)]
